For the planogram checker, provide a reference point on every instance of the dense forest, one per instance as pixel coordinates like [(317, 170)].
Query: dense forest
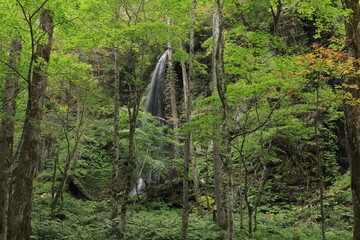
[(179, 119)]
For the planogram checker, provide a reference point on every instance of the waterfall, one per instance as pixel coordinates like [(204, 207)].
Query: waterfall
[(154, 100), (154, 104), (139, 188)]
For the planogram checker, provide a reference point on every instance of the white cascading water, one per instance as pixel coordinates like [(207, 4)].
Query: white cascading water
[(154, 105), (154, 100)]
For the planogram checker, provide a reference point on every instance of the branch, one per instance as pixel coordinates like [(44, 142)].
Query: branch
[(24, 12), (5, 103), (37, 10), (235, 134), (16, 71), (47, 30)]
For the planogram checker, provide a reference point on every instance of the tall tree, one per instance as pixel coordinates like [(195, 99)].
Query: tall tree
[(20, 210), (116, 153), (7, 133), (352, 111), (188, 104), (217, 80), (218, 75)]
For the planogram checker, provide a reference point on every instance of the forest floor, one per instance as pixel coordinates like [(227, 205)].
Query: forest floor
[(90, 220)]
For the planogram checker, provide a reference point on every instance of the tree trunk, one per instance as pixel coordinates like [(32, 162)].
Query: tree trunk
[(116, 154), (173, 102), (276, 17), (241, 211), (259, 195), (352, 113), (171, 74), (187, 81), (129, 164), (196, 182), (320, 163), (219, 186), (230, 188), (218, 81), (171, 79), (7, 135), (187, 155), (71, 156), (246, 196), (20, 225)]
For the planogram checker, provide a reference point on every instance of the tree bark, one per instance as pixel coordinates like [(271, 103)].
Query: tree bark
[(7, 134), (188, 105), (116, 154), (20, 225), (196, 181), (276, 17), (352, 112), (173, 102), (174, 115), (217, 76), (130, 162), (171, 80), (219, 186)]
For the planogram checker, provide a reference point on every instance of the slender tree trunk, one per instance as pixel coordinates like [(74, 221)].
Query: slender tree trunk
[(219, 186), (259, 195), (229, 190), (187, 81), (171, 80), (352, 112), (116, 154), (352, 124), (46, 146), (276, 17), (241, 211), (174, 115), (20, 225), (320, 163), (129, 164), (187, 155), (247, 201), (218, 79), (71, 155), (185, 213), (7, 135), (53, 181), (196, 182), (173, 102), (246, 189)]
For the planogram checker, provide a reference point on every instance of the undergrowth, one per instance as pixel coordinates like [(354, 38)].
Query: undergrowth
[(90, 220)]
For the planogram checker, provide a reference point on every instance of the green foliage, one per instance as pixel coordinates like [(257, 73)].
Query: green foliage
[(271, 111), (88, 220), (340, 190), (165, 224), (324, 13)]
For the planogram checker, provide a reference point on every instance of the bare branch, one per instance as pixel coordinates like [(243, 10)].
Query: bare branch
[(235, 134), (15, 70), (19, 91), (27, 19), (37, 10)]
